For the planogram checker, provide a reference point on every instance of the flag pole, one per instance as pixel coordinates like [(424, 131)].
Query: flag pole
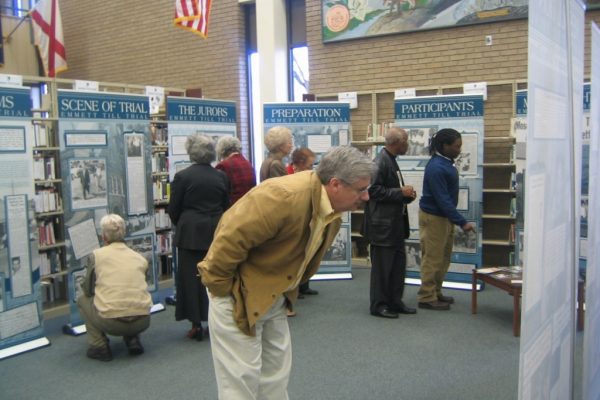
[(7, 38)]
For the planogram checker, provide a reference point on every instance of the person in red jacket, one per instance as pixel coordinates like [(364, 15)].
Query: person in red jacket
[(240, 172)]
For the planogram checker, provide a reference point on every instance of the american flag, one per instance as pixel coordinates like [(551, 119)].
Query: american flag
[(192, 15), (48, 36)]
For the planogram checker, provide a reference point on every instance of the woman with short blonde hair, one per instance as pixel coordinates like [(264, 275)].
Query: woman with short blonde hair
[(279, 143)]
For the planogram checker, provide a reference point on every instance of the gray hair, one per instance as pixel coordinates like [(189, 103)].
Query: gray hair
[(395, 135), (228, 145), (346, 163), (277, 136), (200, 148), (113, 228)]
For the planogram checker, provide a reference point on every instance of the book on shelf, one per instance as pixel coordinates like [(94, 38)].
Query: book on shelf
[(44, 168), (47, 200), (512, 233), (161, 219), (164, 241), (52, 288), (160, 134), (159, 162), (513, 207), (376, 132), (46, 233), (41, 135), (161, 189), (50, 262)]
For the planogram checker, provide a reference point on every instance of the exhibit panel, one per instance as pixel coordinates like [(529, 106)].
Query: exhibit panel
[(318, 126), (552, 190), (21, 324), (106, 158), (422, 117)]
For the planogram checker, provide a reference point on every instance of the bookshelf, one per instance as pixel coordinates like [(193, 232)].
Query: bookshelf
[(498, 198), (159, 130), (49, 211)]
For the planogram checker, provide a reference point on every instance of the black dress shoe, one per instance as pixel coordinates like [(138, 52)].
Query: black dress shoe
[(435, 305), (403, 309), (385, 313), (309, 291), (446, 299)]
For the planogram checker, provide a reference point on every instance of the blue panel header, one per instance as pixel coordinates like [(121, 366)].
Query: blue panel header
[(302, 113), (200, 110), (439, 107), (86, 105), (521, 102), (15, 103)]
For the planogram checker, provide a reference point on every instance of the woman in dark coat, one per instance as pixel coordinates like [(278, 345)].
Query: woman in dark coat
[(199, 196)]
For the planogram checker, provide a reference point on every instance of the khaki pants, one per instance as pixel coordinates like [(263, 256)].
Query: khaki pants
[(250, 367), (98, 327), (437, 238)]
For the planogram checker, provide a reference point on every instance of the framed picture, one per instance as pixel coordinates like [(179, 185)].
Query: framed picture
[(87, 182), (12, 139), (94, 138), (418, 140)]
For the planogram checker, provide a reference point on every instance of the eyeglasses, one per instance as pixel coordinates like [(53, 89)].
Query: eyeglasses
[(358, 191)]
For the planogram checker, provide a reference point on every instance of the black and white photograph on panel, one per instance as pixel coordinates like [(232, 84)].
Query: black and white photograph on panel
[(413, 255), (134, 145), (88, 183), (466, 162), (584, 216), (144, 245), (418, 140), (338, 252), (465, 242)]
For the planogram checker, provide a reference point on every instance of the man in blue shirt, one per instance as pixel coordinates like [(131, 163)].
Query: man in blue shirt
[(437, 217)]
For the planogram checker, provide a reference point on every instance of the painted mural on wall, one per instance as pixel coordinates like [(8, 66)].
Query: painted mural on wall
[(353, 19)]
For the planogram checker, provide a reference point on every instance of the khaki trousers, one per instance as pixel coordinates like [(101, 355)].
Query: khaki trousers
[(437, 239), (98, 327), (250, 367)]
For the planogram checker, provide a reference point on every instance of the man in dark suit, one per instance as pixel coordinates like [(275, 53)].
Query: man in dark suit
[(386, 226)]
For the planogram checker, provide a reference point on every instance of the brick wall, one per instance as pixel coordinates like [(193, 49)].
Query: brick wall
[(135, 42)]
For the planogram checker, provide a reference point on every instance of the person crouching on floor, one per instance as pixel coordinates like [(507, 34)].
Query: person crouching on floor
[(115, 298)]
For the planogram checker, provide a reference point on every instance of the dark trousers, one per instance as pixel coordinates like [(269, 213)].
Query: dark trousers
[(388, 270), (304, 287), (192, 300)]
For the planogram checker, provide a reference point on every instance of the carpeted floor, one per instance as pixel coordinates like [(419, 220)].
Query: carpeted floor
[(340, 352)]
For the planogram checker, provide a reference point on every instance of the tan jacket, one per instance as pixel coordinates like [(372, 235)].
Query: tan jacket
[(259, 246), (120, 287)]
